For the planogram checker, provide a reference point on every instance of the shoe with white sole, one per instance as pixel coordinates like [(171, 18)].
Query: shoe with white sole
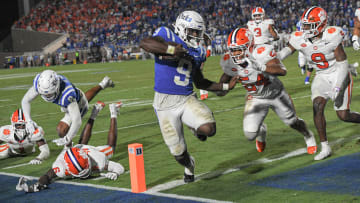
[(115, 109), (189, 172), (310, 143), (106, 82), (97, 108), (325, 152), (260, 140)]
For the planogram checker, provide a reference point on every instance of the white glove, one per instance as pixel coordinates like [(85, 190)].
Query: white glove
[(110, 175), (22, 184), (31, 126), (62, 141), (35, 161), (334, 93), (355, 42)]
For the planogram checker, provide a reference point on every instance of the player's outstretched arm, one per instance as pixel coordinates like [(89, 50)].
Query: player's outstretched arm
[(42, 184), (223, 79), (114, 170), (44, 152), (205, 84), (285, 52), (75, 116), (159, 46), (30, 95)]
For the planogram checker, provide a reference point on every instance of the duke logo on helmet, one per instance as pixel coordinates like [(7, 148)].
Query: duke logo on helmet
[(47, 84)]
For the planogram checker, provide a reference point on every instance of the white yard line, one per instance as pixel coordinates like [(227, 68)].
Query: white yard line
[(15, 166), (177, 183), (182, 197)]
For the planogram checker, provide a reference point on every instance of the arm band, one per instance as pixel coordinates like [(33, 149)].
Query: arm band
[(225, 86), (170, 50), (285, 52)]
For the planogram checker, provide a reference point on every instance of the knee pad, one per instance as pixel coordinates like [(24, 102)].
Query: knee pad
[(250, 135)]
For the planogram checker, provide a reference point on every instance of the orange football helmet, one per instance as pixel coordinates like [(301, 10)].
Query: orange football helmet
[(258, 14), (19, 124), (313, 21), (238, 43), (77, 162)]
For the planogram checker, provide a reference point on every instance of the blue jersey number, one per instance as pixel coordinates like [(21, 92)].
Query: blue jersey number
[(181, 70)]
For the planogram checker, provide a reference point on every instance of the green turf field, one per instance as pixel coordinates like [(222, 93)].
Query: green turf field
[(227, 150)]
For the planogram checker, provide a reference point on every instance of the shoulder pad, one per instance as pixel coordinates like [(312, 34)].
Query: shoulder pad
[(296, 39), (38, 134), (227, 65), (165, 33), (269, 21), (5, 132), (264, 53), (334, 34)]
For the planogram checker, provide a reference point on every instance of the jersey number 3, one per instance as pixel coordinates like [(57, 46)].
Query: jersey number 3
[(257, 32), (183, 63)]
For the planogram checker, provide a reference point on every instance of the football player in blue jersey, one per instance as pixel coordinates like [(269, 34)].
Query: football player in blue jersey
[(178, 61), (56, 88)]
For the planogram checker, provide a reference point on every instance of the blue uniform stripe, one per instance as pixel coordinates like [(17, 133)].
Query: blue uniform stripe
[(36, 82)]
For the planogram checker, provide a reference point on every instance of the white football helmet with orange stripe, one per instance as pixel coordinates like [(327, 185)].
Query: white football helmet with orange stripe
[(258, 14), (19, 124), (77, 162), (313, 21), (238, 44)]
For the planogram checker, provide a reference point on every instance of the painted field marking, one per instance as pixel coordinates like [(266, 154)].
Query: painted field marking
[(18, 165), (210, 174), (182, 197)]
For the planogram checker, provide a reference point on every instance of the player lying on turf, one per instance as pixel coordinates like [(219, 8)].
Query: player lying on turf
[(20, 142), (57, 89), (258, 68), (82, 160)]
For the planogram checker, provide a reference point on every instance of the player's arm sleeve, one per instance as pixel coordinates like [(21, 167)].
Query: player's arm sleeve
[(44, 152), (30, 95), (115, 168), (75, 116)]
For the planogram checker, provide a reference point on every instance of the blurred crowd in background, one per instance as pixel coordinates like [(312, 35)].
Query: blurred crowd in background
[(110, 30)]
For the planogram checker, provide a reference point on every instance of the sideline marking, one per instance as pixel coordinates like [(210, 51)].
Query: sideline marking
[(206, 175), (181, 197), (15, 166)]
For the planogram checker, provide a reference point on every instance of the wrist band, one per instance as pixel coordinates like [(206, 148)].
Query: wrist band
[(170, 50), (225, 86)]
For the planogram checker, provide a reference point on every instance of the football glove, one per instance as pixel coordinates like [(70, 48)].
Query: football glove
[(62, 141), (35, 161), (30, 127), (110, 175), (355, 41), (22, 184)]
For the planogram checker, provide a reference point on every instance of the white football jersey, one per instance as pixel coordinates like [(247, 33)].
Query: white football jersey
[(357, 13), (20, 147), (99, 157), (319, 54), (258, 84), (261, 31)]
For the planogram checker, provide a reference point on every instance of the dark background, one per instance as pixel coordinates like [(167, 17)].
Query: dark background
[(9, 13)]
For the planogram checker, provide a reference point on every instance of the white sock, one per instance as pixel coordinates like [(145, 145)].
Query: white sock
[(324, 144)]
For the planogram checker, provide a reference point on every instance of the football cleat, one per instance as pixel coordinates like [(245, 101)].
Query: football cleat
[(97, 108), (260, 146), (22, 184), (204, 94), (115, 109), (106, 82), (307, 80), (325, 152), (311, 143), (189, 172)]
